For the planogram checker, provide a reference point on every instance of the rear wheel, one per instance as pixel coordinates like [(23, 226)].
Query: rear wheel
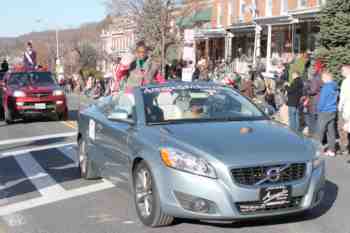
[(87, 169), (147, 199)]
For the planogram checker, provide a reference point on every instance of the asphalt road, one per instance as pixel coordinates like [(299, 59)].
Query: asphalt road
[(41, 191)]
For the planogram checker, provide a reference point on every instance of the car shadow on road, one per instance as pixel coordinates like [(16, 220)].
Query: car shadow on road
[(15, 183), (331, 194)]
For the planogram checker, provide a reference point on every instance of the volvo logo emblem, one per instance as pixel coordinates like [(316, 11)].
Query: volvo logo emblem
[(273, 174)]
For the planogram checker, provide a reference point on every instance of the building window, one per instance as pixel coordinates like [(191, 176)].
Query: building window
[(229, 17), (242, 6), (218, 16), (321, 2), (269, 8), (302, 3), (284, 7)]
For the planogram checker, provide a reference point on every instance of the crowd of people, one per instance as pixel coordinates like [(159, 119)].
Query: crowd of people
[(309, 100)]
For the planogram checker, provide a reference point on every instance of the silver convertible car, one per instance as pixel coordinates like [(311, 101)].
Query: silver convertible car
[(199, 151)]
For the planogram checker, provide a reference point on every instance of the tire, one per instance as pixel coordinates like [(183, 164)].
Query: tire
[(146, 198), (87, 169), (2, 113), (62, 116), (8, 117)]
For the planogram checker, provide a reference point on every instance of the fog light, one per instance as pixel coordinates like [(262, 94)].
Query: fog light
[(196, 204), (200, 206), (59, 102), (20, 103)]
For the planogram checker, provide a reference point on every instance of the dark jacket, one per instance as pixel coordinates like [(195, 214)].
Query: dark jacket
[(314, 92), (295, 92)]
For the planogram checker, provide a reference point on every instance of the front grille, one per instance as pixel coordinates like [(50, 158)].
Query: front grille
[(39, 95), (254, 175), (257, 207)]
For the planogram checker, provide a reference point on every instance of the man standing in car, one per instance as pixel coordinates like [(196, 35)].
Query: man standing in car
[(143, 70), (29, 58)]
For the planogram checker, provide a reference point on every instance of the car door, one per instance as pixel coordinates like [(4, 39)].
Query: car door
[(115, 139), (96, 123)]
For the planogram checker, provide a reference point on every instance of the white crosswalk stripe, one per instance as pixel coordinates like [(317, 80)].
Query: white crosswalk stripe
[(49, 189), (45, 185)]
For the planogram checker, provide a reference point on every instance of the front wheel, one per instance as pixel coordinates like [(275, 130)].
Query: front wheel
[(147, 199), (8, 116), (87, 169)]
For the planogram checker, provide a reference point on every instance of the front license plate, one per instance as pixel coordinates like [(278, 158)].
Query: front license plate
[(276, 196), (40, 106)]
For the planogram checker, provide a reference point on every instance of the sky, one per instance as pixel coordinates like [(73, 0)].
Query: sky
[(18, 17)]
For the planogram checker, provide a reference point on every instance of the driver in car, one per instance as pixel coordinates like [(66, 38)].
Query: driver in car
[(196, 112)]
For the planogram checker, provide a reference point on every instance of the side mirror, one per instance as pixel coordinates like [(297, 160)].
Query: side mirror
[(120, 115)]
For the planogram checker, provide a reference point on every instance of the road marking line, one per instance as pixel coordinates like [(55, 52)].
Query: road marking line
[(46, 185), (70, 124), (14, 220), (45, 200), (16, 182), (38, 138), (39, 148)]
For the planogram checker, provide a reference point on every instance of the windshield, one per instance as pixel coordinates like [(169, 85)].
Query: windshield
[(34, 79), (198, 103)]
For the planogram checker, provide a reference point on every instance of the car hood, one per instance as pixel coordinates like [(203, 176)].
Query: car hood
[(35, 89), (267, 142)]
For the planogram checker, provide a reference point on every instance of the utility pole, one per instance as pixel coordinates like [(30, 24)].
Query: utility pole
[(57, 47)]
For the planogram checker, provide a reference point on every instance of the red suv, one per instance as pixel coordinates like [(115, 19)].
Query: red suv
[(28, 94)]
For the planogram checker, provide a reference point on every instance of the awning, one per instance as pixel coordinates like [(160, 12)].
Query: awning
[(275, 20), (306, 15), (203, 15), (210, 33)]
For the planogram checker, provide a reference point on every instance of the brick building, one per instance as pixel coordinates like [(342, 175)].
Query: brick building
[(266, 28)]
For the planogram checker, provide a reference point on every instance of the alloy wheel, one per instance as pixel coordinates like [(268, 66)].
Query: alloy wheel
[(144, 192), (82, 157)]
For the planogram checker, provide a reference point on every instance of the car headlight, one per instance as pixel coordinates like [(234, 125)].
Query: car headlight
[(19, 94), (188, 163), (316, 163), (58, 93)]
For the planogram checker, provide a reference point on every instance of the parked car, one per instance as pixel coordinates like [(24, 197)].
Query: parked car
[(27, 94), (199, 151)]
